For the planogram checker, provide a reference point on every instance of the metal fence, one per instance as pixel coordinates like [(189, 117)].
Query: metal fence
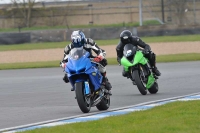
[(178, 17), (182, 12), (178, 12)]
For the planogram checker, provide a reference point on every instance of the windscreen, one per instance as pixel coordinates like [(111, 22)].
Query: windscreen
[(77, 53), (129, 50)]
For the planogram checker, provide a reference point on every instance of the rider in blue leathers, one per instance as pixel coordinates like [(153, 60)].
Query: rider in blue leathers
[(78, 39)]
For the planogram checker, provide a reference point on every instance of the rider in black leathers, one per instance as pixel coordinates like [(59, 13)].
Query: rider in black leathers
[(127, 37), (78, 40)]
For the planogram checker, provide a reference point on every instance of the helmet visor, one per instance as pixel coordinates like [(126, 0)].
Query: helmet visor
[(125, 40), (76, 40)]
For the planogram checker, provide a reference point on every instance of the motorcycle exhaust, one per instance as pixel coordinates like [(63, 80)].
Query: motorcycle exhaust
[(98, 100)]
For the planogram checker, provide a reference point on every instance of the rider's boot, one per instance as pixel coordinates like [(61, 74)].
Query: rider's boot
[(153, 64), (124, 73), (106, 83), (156, 71), (66, 80), (72, 89)]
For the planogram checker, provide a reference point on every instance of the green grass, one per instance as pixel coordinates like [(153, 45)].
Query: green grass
[(180, 38), (179, 57), (25, 65), (50, 45), (135, 24), (33, 46), (111, 61), (175, 117)]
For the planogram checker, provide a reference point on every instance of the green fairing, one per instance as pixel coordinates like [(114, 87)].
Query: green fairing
[(139, 58), (151, 81), (126, 63)]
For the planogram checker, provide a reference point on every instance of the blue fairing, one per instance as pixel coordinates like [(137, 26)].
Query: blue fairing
[(79, 64)]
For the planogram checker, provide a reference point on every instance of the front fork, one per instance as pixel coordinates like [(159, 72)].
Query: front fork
[(145, 74), (144, 71), (87, 88)]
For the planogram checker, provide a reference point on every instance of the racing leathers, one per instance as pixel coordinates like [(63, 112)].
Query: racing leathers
[(136, 41), (90, 46)]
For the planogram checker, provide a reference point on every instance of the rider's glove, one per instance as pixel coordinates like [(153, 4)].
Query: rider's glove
[(119, 60), (98, 58), (146, 51), (104, 62), (63, 65)]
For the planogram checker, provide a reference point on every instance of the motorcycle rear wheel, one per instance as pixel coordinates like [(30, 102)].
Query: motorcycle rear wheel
[(154, 88), (104, 104), (83, 102)]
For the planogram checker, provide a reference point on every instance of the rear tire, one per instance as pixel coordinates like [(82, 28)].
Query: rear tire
[(83, 103), (139, 83), (154, 88), (104, 104)]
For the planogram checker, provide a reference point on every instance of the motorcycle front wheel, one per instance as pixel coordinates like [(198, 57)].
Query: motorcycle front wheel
[(139, 82), (83, 101)]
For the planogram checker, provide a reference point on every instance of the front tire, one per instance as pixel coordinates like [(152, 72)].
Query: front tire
[(83, 101), (139, 83)]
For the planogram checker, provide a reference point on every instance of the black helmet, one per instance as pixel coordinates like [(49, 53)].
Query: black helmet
[(125, 36)]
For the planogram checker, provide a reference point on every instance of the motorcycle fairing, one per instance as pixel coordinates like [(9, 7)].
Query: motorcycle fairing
[(78, 65), (95, 76), (150, 82), (138, 59)]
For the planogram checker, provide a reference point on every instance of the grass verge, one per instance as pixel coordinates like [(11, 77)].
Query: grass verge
[(111, 61), (135, 24), (50, 45), (175, 117)]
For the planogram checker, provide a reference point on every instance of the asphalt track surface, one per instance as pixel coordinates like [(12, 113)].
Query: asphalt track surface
[(35, 95)]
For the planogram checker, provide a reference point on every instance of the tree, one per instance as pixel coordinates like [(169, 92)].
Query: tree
[(179, 7), (24, 7)]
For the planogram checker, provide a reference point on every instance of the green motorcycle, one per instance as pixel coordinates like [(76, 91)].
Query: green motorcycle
[(138, 69)]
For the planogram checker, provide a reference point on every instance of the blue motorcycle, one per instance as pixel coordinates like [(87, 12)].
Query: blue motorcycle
[(86, 79)]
